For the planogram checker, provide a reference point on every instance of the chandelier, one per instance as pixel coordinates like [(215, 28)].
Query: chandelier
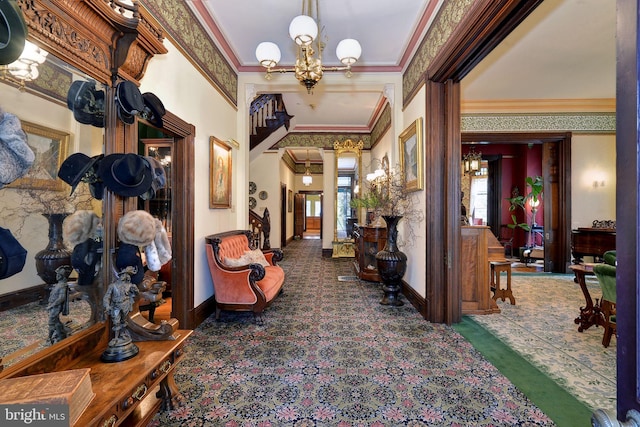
[(25, 68), (307, 179), (303, 30), (471, 162)]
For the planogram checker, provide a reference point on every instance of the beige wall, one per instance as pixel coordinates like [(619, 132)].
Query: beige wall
[(186, 93)]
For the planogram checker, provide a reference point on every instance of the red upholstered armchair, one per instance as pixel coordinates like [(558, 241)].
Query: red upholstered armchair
[(244, 278)]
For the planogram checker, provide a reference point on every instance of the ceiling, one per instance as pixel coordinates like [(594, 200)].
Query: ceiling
[(564, 50)]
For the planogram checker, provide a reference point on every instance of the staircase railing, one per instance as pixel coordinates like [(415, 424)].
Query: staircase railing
[(261, 228), (267, 113)]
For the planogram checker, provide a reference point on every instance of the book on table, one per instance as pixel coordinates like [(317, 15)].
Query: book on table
[(72, 387)]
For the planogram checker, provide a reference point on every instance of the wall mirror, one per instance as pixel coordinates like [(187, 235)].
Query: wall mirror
[(348, 182), (53, 134)]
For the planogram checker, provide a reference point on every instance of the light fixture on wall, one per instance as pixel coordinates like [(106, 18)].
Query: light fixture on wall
[(307, 179), (471, 162), (534, 203), (25, 68), (308, 69)]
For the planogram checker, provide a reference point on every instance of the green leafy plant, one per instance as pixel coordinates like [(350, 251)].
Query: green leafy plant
[(536, 186)]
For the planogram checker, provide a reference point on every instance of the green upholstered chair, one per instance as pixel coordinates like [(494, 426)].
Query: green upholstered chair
[(606, 274)]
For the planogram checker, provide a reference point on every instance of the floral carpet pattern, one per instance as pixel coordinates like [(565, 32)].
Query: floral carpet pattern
[(328, 354), (549, 338)]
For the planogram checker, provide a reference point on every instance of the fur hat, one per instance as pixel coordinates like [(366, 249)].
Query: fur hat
[(80, 226), (158, 252), (16, 157), (162, 243), (137, 228)]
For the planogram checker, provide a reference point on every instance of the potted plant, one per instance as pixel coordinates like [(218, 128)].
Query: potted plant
[(533, 198), (386, 195)]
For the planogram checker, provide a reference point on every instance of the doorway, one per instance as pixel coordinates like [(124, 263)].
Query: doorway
[(556, 172)]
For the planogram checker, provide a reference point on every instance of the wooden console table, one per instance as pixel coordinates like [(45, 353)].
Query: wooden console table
[(369, 241), (131, 392)]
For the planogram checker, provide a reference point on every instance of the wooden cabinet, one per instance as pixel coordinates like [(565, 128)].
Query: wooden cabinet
[(369, 241), (479, 247)]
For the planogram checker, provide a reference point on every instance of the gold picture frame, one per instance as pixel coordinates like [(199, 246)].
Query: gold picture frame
[(411, 167), (219, 174), (50, 148)]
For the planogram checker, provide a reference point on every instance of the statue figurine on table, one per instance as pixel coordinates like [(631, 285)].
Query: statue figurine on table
[(118, 302), (59, 304)]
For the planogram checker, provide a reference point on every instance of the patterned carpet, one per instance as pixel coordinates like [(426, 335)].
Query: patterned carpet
[(328, 354), (550, 340)]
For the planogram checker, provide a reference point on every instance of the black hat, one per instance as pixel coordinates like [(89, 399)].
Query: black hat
[(75, 167), (86, 102), (129, 256), (84, 258), (129, 101), (125, 174), (13, 32), (159, 178), (12, 255), (153, 109)]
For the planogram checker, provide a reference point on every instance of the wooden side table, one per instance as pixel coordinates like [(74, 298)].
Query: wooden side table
[(498, 267), (590, 314)]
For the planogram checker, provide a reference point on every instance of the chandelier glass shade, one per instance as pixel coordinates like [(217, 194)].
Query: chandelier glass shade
[(307, 179), (308, 68), (25, 68)]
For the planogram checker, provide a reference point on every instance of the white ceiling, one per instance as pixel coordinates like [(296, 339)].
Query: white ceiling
[(564, 50)]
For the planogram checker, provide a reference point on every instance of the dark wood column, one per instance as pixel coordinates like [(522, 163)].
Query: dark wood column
[(442, 207), (627, 209)]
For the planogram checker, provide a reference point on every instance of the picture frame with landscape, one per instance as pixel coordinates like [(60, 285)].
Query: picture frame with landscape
[(411, 163), (50, 147)]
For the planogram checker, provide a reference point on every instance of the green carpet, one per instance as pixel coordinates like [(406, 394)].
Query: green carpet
[(553, 400)]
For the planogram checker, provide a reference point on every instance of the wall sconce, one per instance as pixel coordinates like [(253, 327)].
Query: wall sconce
[(25, 68), (597, 184)]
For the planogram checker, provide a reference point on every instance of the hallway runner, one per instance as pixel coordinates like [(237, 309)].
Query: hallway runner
[(553, 400)]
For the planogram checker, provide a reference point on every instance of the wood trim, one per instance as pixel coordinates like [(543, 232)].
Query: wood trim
[(484, 27), (627, 214), (23, 296), (204, 310), (414, 298)]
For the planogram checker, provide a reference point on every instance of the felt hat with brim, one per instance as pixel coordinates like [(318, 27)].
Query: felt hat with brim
[(159, 178), (12, 255), (125, 174), (153, 109), (75, 167), (129, 256), (13, 32), (129, 101), (16, 157), (86, 102), (84, 258)]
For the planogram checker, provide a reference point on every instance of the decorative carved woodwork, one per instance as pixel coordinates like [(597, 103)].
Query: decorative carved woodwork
[(369, 241)]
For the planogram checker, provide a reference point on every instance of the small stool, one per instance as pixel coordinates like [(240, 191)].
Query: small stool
[(498, 267)]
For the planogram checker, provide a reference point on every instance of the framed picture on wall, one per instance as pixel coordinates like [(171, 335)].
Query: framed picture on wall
[(219, 174), (410, 142), (50, 148)]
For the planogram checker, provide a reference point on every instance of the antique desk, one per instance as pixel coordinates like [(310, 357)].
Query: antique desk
[(131, 392), (590, 314), (594, 242)]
